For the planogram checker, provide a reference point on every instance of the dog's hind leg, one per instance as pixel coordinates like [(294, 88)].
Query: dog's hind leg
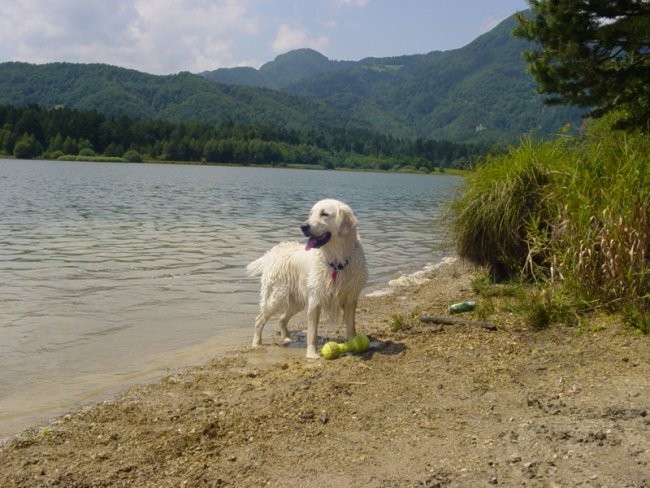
[(285, 338), (260, 322)]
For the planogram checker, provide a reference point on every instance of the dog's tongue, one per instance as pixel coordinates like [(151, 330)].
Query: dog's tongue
[(311, 243)]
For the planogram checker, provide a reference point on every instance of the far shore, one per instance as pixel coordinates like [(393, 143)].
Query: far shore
[(313, 167)]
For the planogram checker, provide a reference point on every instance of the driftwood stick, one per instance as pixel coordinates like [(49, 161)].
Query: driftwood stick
[(439, 319)]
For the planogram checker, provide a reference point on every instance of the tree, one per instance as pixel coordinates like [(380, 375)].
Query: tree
[(30, 122), (70, 146), (114, 150), (56, 142), (592, 53), (7, 140), (27, 147), (133, 156)]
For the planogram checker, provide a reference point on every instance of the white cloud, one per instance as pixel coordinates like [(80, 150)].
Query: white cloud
[(351, 3), (38, 30), (167, 36), (289, 38), (194, 34), (157, 36)]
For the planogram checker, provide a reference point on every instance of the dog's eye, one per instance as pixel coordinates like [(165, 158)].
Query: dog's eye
[(324, 214)]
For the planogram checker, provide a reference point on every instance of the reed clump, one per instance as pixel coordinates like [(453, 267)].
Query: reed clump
[(571, 213)]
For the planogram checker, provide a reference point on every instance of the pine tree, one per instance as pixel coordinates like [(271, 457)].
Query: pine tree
[(592, 53)]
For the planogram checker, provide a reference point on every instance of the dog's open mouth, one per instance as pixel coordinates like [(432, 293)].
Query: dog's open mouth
[(315, 242)]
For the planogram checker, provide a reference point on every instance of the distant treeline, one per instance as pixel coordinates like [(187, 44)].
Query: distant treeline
[(34, 132)]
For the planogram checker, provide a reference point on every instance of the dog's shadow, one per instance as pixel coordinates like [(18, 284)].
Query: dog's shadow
[(384, 348)]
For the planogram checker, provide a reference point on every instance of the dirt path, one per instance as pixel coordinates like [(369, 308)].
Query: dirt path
[(427, 406)]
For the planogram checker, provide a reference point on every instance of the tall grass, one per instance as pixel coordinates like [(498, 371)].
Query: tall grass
[(574, 212), (604, 224), (507, 195)]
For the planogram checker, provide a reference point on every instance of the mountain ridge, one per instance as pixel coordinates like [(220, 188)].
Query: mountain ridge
[(181, 97), (479, 93)]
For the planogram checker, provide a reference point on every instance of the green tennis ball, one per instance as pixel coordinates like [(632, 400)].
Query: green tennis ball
[(361, 343), (331, 350)]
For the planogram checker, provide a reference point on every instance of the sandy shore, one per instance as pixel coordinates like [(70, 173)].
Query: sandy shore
[(428, 405)]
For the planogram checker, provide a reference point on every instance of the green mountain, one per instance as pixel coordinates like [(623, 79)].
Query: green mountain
[(288, 68), (181, 97), (480, 93)]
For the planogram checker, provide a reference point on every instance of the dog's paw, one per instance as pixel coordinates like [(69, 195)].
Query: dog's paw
[(312, 353)]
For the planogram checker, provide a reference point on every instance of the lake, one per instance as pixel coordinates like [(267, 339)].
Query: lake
[(112, 273)]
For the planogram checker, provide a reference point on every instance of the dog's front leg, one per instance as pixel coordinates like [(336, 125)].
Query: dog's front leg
[(349, 312), (313, 315)]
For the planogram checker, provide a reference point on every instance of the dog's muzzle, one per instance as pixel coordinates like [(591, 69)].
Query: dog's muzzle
[(314, 242)]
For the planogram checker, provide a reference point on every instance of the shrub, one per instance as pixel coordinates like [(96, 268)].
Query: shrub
[(27, 147), (569, 211), (502, 200), (133, 156), (603, 241)]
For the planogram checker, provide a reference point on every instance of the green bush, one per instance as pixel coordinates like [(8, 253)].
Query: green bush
[(502, 199), (569, 211), (92, 159), (133, 156), (603, 226), (27, 147)]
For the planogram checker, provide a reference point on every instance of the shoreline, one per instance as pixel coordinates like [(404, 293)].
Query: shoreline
[(190, 357), (69, 348), (426, 406), (44, 420), (446, 171)]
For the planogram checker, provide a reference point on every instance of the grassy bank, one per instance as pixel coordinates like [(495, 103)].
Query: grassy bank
[(92, 159), (572, 215)]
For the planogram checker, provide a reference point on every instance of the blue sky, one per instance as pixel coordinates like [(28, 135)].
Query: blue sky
[(168, 36)]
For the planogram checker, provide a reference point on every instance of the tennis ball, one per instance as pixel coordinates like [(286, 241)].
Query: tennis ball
[(330, 350), (361, 343)]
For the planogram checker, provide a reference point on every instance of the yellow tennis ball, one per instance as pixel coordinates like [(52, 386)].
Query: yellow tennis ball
[(330, 350), (361, 343)]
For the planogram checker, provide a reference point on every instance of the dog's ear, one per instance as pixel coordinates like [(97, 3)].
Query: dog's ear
[(346, 220)]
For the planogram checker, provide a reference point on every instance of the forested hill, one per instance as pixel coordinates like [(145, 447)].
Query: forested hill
[(286, 69), (480, 93), (182, 97)]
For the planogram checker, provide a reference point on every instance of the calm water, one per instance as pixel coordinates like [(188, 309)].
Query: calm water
[(110, 273)]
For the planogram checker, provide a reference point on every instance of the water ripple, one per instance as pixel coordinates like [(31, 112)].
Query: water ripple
[(104, 267)]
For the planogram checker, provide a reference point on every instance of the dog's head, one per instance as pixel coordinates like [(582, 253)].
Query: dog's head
[(328, 218)]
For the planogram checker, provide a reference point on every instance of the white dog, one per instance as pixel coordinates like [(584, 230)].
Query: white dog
[(327, 274)]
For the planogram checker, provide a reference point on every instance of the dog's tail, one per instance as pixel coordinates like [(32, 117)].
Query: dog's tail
[(256, 268), (274, 257)]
